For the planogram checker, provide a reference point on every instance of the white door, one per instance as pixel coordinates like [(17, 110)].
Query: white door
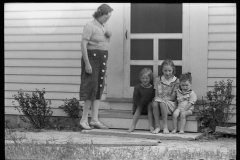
[(154, 32)]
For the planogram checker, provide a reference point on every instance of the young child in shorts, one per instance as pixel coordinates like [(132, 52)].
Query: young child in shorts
[(142, 96), (164, 86), (186, 99)]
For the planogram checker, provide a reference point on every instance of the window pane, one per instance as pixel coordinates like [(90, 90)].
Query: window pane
[(156, 18), (178, 71), (170, 49), (134, 74), (141, 49)]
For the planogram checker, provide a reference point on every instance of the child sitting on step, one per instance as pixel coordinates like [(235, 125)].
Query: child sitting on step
[(165, 85), (186, 99), (142, 96)]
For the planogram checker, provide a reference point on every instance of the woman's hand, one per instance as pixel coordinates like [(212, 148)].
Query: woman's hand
[(88, 68), (108, 34)]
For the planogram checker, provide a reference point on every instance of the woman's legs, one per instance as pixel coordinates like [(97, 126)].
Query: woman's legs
[(135, 118), (150, 117), (183, 116), (94, 120), (95, 109), (84, 119), (155, 107), (164, 113), (175, 121)]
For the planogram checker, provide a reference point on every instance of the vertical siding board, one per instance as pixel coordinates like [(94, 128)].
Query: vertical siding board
[(42, 48), (199, 46)]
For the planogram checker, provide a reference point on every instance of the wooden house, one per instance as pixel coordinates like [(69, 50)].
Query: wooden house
[(42, 50)]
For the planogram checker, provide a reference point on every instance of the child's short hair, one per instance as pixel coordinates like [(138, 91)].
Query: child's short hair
[(148, 71), (170, 63), (186, 77)]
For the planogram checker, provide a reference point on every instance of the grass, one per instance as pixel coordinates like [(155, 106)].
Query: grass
[(92, 152), (51, 151)]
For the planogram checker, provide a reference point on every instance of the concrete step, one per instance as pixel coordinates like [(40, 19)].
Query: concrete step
[(126, 104), (143, 134), (122, 119)]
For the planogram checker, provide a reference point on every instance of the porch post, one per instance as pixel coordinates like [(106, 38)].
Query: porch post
[(198, 23)]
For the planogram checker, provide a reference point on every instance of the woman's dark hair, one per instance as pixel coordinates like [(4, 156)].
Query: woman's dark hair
[(102, 10), (170, 63), (185, 77)]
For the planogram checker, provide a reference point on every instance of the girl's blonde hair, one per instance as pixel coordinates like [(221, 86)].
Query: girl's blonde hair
[(170, 63), (185, 77), (147, 71)]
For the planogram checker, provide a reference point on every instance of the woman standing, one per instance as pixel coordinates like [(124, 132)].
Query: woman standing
[(94, 46)]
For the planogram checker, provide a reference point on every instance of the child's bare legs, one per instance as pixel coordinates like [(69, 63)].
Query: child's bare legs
[(150, 117), (164, 113), (175, 116), (155, 107), (135, 118), (183, 116)]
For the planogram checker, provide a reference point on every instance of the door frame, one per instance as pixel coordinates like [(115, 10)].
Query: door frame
[(128, 91)]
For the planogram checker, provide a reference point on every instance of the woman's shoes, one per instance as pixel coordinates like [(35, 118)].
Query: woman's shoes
[(85, 125), (98, 125)]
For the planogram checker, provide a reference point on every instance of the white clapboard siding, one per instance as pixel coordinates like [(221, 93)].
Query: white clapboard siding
[(42, 48), (214, 37), (222, 45), (43, 79), (49, 14), (43, 62), (228, 28), (222, 4), (211, 81), (63, 54), (71, 71), (43, 30), (55, 103), (218, 72), (222, 19), (222, 10), (48, 87), (222, 55), (48, 95), (43, 38), (19, 7), (222, 64), (46, 22)]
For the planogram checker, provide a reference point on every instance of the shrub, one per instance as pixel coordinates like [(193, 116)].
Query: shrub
[(71, 107), (217, 107), (35, 108)]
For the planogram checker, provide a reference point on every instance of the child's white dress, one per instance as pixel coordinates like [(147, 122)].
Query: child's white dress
[(165, 89)]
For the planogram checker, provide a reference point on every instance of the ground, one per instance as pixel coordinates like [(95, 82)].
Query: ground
[(62, 137)]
